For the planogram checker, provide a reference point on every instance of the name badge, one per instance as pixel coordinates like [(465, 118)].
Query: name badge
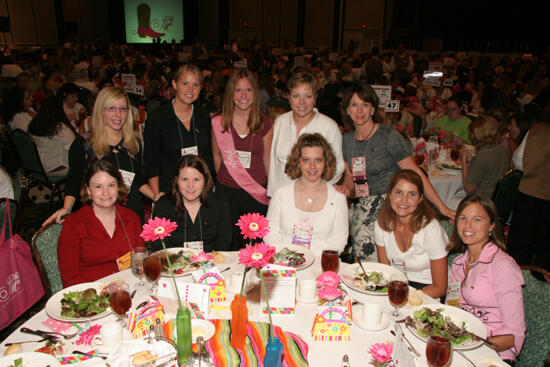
[(194, 150), (125, 261), (453, 293), (399, 264), (359, 173), (245, 158), (193, 245), (358, 166), (302, 233), (127, 177)]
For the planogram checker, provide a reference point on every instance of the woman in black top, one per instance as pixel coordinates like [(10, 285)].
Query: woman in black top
[(203, 218), (113, 139), (176, 129)]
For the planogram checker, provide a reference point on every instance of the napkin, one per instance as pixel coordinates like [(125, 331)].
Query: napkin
[(122, 356)]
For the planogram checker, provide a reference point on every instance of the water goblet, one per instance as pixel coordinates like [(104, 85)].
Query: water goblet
[(138, 254), (438, 351), (398, 292), (120, 301)]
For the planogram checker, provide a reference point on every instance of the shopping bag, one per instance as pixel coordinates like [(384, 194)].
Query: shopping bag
[(20, 283)]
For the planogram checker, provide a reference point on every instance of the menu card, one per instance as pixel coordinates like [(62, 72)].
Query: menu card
[(211, 277), (198, 294), (280, 285)]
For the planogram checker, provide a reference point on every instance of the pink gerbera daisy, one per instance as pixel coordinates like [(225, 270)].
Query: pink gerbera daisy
[(328, 278), (381, 352), (329, 293), (157, 229), (253, 226), (256, 256)]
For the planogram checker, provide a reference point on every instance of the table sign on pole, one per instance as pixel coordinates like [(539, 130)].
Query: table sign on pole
[(383, 92)]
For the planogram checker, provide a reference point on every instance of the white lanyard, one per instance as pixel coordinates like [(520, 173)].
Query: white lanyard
[(191, 127)]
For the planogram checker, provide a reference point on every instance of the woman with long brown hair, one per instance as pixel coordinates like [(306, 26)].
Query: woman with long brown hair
[(241, 144), (409, 237)]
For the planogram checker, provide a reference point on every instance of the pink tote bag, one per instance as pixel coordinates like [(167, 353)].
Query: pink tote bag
[(20, 283)]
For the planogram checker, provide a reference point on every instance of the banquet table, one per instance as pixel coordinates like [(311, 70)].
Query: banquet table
[(448, 186), (326, 353)]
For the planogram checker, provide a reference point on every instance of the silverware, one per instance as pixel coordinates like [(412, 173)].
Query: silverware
[(133, 293), (27, 341), (89, 354), (362, 268), (464, 356), (48, 334), (477, 337), (226, 269), (407, 340)]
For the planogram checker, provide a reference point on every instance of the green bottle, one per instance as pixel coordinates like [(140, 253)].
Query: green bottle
[(183, 328)]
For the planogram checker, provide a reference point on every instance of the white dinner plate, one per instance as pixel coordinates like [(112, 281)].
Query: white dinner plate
[(308, 255), (458, 316), (349, 273), (203, 328), (230, 259), (449, 171), (175, 250), (53, 306), (30, 359)]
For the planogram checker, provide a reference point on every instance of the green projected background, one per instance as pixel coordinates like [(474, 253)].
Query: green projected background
[(148, 19)]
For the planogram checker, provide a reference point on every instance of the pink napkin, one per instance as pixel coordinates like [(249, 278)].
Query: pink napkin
[(57, 326)]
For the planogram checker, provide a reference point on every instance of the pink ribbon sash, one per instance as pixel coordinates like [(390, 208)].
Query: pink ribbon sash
[(234, 165)]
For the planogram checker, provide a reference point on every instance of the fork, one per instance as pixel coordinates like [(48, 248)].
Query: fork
[(52, 333)]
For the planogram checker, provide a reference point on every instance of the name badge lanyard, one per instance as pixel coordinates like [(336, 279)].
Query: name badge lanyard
[(191, 127), (127, 180), (124, 261), (185, 227)]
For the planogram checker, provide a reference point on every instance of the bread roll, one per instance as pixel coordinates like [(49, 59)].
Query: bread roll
[(13, 349), (218, 257), (142, 358), (416, 298)]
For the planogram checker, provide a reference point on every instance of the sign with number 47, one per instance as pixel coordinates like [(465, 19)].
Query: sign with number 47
[(392, 106)]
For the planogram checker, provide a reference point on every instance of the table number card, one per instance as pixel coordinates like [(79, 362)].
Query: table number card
[(189, 292), (280, 285), (211, 277)]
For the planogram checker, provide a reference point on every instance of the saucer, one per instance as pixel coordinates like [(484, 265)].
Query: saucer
[(384, 321), (307, 300)]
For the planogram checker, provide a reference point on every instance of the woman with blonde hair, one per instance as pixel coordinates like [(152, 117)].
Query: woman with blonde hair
[(175, 129), (241, 143), (490, 162), (114, 140)]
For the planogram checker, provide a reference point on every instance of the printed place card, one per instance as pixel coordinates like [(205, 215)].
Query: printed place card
[(280, 285)]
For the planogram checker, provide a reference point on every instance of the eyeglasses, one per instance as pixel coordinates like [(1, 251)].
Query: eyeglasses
[(112, 109)]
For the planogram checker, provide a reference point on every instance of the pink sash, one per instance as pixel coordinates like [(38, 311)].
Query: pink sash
[(234, 165)]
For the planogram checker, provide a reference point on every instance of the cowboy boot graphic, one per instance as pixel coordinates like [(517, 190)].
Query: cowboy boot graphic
[(144, 18)]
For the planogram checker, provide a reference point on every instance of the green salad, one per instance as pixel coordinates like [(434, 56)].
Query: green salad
[(372, 281), (450, 166), (83, 304), (17, 362), (181, 262), (427, 322)]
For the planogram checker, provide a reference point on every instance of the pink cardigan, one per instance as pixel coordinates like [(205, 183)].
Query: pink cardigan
[(492, 292)]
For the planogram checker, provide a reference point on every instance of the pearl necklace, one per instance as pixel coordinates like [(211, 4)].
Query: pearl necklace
[(471, 264), (190, 114)]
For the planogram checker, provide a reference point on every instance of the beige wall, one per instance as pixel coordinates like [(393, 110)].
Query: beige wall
[(364, 12), (319, 24), (92, 18)]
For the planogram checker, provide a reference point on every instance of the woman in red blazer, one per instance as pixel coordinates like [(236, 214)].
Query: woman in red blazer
[(97, 240)]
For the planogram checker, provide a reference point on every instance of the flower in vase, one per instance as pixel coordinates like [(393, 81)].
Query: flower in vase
[(329, 293), (256, 256), (201, 258), (328, 279), (381, 352), (157, 229), (253, 226)]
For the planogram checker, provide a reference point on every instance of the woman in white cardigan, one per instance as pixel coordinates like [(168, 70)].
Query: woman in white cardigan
[(309, 211)]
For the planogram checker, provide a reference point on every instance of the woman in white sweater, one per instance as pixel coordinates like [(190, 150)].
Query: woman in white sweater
[(309, 211)]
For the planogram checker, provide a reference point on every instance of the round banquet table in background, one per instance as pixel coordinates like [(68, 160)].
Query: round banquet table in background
[(326, 353), (448, 187)]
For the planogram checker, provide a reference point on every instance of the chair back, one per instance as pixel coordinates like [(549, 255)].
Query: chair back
[(44, 246), (536, 300), (11, 205), (505, 193), (28, 153)]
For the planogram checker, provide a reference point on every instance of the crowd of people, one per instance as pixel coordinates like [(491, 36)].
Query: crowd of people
[(299, 137)]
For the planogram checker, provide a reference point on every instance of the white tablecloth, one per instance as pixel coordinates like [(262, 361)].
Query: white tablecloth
[(320, 353), (448, 187)]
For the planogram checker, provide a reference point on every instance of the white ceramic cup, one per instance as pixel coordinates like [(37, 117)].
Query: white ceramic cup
[(109, 337), (371, 314), (307, 289)]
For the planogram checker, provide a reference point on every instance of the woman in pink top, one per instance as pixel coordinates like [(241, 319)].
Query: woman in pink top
[(485, 279)]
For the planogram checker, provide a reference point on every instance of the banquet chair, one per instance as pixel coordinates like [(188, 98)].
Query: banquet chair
[(32, 166), (505, 194), (536, 300), (44, 248)]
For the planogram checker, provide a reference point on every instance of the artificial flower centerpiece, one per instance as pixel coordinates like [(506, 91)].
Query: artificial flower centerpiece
[(381, 353), (158, 229), (201, 258), (328, 287)]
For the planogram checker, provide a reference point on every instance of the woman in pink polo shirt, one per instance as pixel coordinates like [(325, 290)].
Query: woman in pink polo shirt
[(485, 279)]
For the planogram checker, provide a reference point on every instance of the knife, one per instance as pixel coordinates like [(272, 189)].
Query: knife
[(44, 334)]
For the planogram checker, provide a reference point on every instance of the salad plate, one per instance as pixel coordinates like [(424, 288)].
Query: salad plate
[(180, 258), (29, 359), (379, 277), (91, 306), (292, 254), (451, 320)]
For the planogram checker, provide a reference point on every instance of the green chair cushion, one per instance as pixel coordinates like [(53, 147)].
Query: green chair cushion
[(46, 243)]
